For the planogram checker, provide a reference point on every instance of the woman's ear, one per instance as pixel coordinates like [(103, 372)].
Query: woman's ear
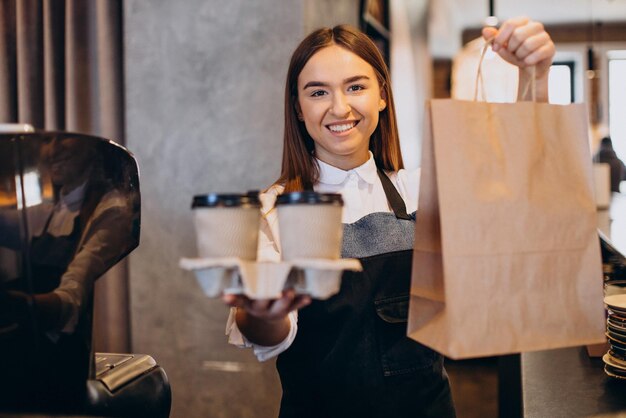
[(382, 103), (298, 110)]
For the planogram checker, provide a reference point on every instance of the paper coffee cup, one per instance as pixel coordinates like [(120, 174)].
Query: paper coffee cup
[(310, 225), (227, 225)]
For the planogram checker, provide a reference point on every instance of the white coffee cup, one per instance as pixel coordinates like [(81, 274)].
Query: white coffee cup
[(227, 225), (310, 225)]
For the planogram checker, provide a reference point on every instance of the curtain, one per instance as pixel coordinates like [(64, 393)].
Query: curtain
[(61, 69)]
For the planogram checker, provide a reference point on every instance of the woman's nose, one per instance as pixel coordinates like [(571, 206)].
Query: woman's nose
[(340, 105)]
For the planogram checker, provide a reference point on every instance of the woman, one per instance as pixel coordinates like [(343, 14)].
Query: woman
[(349, 356)]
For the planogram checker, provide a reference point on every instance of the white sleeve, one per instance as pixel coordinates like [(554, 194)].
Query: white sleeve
[(261, 352), (268, 250)]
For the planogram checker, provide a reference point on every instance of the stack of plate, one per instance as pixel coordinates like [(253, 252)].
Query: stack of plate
[(615, 359)]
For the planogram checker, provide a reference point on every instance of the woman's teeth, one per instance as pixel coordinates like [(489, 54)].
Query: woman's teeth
[(341, 128)]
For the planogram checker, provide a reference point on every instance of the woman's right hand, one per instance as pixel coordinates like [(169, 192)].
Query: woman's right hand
[(265, 322), (269, 309)]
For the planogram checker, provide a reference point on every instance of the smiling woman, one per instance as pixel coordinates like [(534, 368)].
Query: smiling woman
[(339, 101), (349, 355)]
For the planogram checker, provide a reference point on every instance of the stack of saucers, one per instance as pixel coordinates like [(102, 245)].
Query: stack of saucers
[(615, 359)]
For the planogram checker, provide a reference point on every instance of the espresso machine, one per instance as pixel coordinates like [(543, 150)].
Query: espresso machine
[(69, 211)]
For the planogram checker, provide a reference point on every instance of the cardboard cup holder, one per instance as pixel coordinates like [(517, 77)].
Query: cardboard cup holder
[(319, 278)]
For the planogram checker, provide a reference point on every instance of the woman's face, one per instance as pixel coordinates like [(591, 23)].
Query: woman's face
[(339, 99), (68, 159)]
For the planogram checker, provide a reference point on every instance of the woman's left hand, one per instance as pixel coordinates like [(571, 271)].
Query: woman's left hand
[(524, 43)]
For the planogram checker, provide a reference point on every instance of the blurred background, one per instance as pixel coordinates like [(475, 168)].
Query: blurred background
[(195, 90)]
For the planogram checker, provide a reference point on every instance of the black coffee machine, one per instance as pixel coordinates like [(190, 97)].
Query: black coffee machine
[(69, 211)]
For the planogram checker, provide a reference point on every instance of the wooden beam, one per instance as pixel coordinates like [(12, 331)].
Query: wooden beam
[(572, 32)]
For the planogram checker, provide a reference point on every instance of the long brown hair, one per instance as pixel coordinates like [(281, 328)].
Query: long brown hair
[(299, 168)]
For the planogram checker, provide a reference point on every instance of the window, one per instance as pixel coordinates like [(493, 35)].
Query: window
[(561, 82), (617, 101)]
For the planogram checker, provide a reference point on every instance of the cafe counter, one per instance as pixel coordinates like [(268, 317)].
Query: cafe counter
[(567, 382)]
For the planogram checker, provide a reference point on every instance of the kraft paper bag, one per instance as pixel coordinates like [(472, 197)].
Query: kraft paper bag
[(506, 255)]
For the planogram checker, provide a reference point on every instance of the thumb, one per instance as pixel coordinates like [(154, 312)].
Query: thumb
[(489, 32)]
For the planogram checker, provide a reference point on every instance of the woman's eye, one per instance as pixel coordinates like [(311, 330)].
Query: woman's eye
[(356, 87), (318, 93)]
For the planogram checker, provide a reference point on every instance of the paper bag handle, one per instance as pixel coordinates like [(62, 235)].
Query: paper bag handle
[(479, 78)]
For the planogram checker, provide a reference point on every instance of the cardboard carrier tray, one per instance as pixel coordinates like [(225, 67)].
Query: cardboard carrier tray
[(319, 278)]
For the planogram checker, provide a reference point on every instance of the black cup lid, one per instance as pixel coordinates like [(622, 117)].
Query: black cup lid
[(308, 197), (213, 200)]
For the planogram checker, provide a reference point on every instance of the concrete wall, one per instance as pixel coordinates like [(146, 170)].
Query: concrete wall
[(204, 112), (204, 96), (319, 13)]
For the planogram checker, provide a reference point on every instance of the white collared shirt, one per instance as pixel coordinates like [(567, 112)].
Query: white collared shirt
[(362, 194), (65, 212)]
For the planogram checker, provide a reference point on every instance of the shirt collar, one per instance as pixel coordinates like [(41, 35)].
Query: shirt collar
[(332, 175)]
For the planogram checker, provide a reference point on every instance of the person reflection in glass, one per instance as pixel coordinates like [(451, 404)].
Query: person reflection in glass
[(86, 230), (84, 235)]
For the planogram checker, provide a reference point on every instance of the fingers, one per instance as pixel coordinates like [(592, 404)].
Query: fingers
[(258, 307), (530, 45), (522, 42), (489, 32), (283, 305), (300, 302), (505, 32), (268, 309), (251, 305), (546, 52), (255, 307), (236, 301)]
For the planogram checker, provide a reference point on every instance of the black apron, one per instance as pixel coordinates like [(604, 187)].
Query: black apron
[(351, 356)]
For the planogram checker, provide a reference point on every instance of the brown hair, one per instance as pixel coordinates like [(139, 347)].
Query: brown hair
[(299, 168)]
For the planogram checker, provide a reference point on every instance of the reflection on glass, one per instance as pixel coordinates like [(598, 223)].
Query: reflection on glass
[(617, 101), (69, 210), (31, 187)]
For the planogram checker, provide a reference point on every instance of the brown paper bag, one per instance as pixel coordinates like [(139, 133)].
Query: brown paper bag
[(507, 254)]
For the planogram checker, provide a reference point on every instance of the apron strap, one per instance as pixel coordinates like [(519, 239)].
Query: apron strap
[(395, 200)]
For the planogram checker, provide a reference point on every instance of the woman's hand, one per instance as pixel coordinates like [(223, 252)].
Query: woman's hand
[(269, 309), (19, 307), (524, 43), (265, 322)]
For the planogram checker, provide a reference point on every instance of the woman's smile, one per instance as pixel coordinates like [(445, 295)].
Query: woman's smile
[(342, 128)]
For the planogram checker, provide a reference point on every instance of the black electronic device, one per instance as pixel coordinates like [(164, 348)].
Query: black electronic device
[(69, 211)]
